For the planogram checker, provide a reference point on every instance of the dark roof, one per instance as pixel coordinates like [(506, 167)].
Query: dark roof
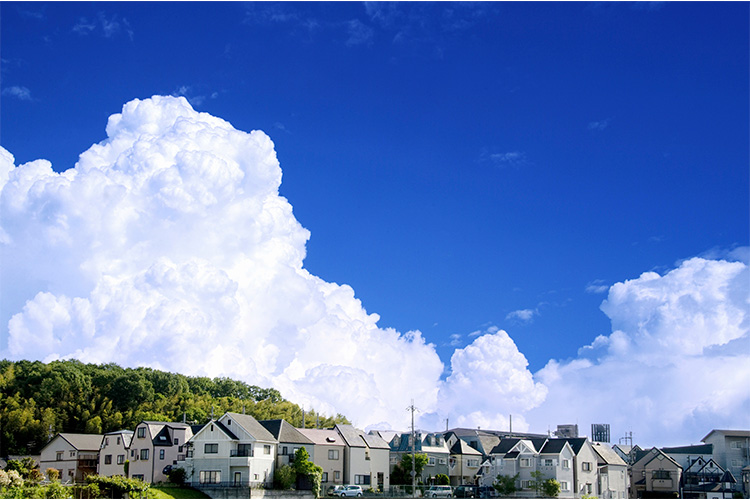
[(460, 447), (351, 436), (251, 425), (284, 432), (226, 430), (553, 446), (538, 443), (504, 446), (697, 449), (576, 443), (512, 454), (728, 477), (162, 438)]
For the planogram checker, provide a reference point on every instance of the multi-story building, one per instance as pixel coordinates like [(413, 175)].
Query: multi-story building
[(154, 447), (655, 475), (329, 453), (464, 462), (431, 444), (612, 472), (75, 456), (731, 450), (366, 458), (234, 450), (114, 452)]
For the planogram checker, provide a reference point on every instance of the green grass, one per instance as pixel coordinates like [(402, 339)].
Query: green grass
[(174, 492)]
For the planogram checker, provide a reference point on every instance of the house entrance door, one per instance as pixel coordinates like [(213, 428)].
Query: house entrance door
[(237, 478)]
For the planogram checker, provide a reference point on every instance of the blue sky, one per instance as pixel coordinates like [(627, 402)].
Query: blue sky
[(463, 167)]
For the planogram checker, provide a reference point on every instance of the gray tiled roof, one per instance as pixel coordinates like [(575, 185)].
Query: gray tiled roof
[(252, 426), (607, 454), (284, 432), (83, 442), (351, 435), (699, 449)]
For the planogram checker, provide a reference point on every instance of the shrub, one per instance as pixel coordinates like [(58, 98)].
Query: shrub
[(284, 477), (178, 476), (53, 474)]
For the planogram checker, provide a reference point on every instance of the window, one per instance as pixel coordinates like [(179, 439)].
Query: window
[(525, 462), (133, 453), (120, 459), (394, 459), (211, 448), (472, 462), (229, 422), (107, 459), (176, 441), (138, 476), (441, 461), (161, 454), (337, 475), (106, 441), (72, 453), (210, 476), (525, 484), (179, 449), (548, 462), (59, 455), (586, 466), (141, 433), (431, 461), (333, 454), (564, 485), (266, 449), (735, 445), (588, 488), (566, 464), (661, 474), (361, 479), (144, 454), (284, 450), (325, 477), (245, 450), (736, 463), (118, 440)]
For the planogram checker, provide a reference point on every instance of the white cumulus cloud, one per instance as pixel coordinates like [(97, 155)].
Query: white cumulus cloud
[(676, 364)]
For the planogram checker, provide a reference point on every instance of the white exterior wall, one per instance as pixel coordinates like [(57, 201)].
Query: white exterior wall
[(379, 463), (67, 466), (613, 481), (586, 479), (356, 465), (113, 445)]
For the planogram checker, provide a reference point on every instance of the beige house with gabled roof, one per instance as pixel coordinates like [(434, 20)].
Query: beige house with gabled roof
[(290, 439), (329, 453), (114, 452), (655, 474), (75, 456)]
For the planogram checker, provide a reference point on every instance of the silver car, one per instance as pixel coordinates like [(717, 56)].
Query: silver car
[(350, 491), (439, 491)]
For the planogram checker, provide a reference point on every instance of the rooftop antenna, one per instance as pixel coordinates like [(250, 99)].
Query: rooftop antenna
[(303, 416), (212, 412), (510, 421), (446, 425)]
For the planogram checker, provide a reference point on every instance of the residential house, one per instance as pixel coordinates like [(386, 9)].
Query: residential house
[(731, 451), (113, 453), (289, 439), (686, 455), (554, 458), (612, 472), (585, 471), (329, 453), (235, 450), (156, 445), (366, 458), (655, 475), (464, 461), (482, 441), (75, 456), (707, 479), (431, 444)]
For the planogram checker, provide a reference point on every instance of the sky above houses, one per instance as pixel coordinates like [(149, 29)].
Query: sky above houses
[(493, 209)]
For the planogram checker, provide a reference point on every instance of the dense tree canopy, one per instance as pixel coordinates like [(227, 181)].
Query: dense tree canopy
[(38, 400)]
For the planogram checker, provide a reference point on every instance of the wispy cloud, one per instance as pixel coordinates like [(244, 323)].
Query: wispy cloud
[(599, 125), (107, 27), (359, 33), (522, 315), (514, 159), (597, 286), (21, 93), (194, 97)]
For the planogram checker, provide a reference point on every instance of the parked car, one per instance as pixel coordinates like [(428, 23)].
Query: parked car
[(466, 491), (351, 490), (439, 491), (334, 490)]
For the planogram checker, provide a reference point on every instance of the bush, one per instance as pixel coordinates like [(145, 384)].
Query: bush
[(284, 477), (53, 474), (117, 486), (178, 476), (442, 480)]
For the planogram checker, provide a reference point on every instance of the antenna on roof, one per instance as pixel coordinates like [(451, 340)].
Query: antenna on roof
[(446, 425), (212, 412)]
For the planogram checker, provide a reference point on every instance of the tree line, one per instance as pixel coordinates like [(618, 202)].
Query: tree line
[(39, 400)]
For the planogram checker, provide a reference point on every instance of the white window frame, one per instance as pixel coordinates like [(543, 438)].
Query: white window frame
[(525, 462), (564, 486), (210, 476)]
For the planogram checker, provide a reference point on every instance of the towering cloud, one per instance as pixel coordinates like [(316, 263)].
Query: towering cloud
[(168, 245), (677, 362)]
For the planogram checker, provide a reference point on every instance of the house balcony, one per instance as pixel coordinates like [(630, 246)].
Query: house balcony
[(241, 453), (662, 484)]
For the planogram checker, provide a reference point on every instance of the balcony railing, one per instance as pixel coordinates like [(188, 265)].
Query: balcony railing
[(241, 453)]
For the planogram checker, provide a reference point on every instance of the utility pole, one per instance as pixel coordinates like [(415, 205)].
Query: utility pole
[(303, 417), (413, 408)]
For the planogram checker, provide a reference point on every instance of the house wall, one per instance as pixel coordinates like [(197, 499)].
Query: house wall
[(656, 485), (731, 452), (140, 467), (356, 464), (379, 464), (113, 445), (586, 475), (334, 468), (67, 466), (613, 481)]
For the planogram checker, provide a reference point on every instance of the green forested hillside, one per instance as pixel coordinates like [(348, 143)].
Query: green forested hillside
[(38, 400)]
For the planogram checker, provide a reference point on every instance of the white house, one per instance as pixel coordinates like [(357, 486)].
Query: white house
[(366, 458), (235, 449), (156, 445), (113, 453), (75, 456)]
